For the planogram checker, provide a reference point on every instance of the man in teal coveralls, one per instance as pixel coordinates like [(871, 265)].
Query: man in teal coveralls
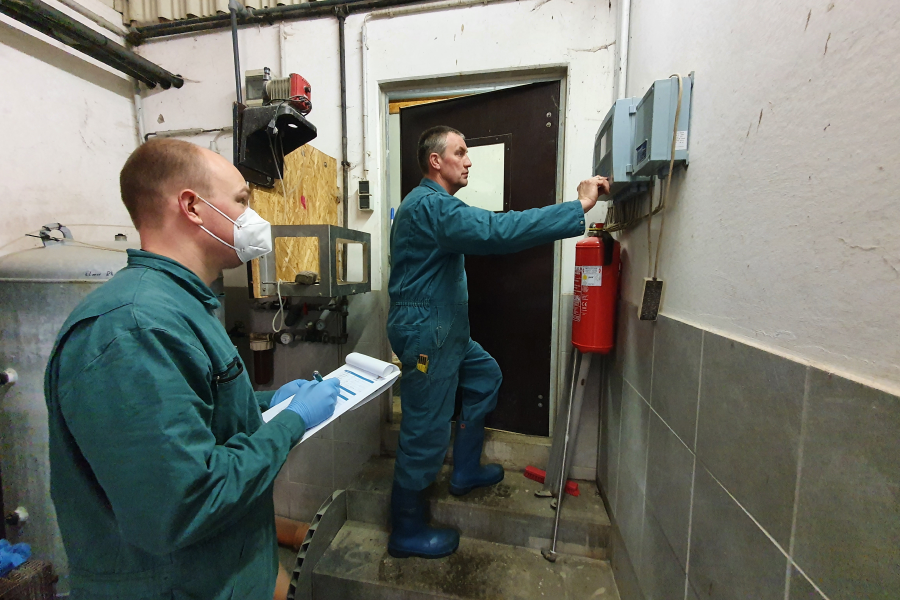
[(428, 326), (161, 466)]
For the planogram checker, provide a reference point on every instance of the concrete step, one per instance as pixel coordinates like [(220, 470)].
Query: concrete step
[(507, 513), (357, 565), (512, 450)]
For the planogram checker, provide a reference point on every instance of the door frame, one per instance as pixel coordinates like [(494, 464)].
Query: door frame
[(471, 83)]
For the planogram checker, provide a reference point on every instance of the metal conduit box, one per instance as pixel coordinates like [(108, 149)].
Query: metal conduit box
[(331, 281), (654, 120)]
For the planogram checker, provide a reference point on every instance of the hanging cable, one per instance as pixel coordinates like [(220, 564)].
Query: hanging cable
[(649, 237), (665, 198), (280, 308)]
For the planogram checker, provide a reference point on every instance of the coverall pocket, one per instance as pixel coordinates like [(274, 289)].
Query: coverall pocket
[(229, 373), (233, 399), (444, 316), (405, 344)]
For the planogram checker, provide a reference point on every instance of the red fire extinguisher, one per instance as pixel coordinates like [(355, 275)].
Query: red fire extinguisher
[(596, 290)]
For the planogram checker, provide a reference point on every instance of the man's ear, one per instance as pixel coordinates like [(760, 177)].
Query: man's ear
[(434, 160), (187, 206)]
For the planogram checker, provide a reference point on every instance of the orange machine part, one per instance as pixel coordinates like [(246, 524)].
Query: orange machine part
[(596, 290)]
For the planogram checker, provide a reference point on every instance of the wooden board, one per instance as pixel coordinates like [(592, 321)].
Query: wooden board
[(313, 198), (394, 107)]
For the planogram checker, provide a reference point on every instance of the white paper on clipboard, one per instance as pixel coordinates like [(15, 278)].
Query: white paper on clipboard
[(361, 379)]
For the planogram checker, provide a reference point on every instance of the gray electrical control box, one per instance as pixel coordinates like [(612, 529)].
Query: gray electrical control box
[(613, 147), (653, 126)]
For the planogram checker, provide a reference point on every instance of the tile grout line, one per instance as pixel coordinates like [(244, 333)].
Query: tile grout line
[(647, 458), (670, 429), (619, 452), (804, 412), (768, 535), (687, 560)]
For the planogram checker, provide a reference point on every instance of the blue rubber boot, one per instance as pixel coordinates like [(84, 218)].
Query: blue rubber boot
[(468, 473), (410, 534)]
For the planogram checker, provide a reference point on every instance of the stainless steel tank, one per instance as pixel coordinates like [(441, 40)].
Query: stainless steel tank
[(38, 289)]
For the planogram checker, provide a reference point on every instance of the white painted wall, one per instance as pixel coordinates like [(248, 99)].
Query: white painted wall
[(496, 38), (462, 41), (68, 126), (783, 229)]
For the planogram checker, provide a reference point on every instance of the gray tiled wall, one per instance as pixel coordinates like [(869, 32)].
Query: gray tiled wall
[(328, 461), (734, 473), (333, 457)]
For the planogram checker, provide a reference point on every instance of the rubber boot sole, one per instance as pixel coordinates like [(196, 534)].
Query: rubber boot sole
[(462, 491), (404, 554)]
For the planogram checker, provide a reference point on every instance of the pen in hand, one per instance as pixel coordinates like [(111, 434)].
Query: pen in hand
[(317, 376)]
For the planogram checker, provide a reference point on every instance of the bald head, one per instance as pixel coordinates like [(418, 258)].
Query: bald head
[(158, 170)]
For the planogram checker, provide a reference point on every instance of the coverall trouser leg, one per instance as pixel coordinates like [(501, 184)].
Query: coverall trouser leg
[(428, 403)]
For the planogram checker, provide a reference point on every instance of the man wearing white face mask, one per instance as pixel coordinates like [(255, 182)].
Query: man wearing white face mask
[(161, 466)]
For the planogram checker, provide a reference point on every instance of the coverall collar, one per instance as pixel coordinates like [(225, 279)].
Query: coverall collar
[(178, 272), (431, 183)]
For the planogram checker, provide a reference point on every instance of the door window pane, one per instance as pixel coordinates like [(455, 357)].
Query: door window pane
[(485, 189)]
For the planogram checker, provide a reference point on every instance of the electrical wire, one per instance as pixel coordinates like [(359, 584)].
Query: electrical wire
[(69, 242), (649, 237), (662, 221), (627, 214), (86, 245), (280, 309), (100, 225), (18, 239)]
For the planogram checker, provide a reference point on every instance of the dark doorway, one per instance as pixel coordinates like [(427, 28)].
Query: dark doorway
[(510, 296)]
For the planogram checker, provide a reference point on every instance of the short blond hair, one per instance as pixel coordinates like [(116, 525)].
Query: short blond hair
[(154, 170)]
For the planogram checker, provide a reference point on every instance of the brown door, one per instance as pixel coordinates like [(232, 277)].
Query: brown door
[(510, 296)]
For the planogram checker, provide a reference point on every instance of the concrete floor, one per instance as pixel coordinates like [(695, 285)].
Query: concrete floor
[(358, 560)]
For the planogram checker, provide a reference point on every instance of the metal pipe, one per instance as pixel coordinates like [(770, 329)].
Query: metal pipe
[(184, 132), (58, 25), (293, 12), (237, 56), (622, 45), (282, 59), (364, 87), (139, 112), (345, 164), (119, 30)]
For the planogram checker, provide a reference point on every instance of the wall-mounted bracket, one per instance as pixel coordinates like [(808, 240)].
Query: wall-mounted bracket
[(331, 281)]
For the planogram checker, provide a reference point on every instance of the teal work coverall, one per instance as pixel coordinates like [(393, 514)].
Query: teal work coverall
[(161, 466), (429, 314)]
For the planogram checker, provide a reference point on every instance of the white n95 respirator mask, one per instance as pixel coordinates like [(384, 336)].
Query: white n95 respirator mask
[(252, 234)]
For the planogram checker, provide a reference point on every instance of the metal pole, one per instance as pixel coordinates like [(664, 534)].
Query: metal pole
[(550, 553), (576, 400), (341, 17), (237, 56)]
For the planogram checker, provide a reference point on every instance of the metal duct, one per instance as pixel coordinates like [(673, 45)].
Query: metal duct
[(59, 26)]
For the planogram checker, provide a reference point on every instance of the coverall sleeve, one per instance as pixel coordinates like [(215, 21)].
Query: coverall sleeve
[(463, 229), (149, 443), (264, 399)]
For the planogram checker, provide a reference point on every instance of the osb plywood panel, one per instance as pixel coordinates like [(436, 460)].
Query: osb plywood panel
[(313, 198)]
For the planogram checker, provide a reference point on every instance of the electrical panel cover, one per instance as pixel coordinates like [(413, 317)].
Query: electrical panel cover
[(653, 124), (612, 146)]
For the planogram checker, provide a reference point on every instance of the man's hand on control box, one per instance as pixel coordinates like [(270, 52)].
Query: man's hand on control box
[(591, 189)]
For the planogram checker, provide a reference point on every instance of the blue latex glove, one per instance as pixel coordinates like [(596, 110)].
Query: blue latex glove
[(11, 556), (286, 391), (315, 401)]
